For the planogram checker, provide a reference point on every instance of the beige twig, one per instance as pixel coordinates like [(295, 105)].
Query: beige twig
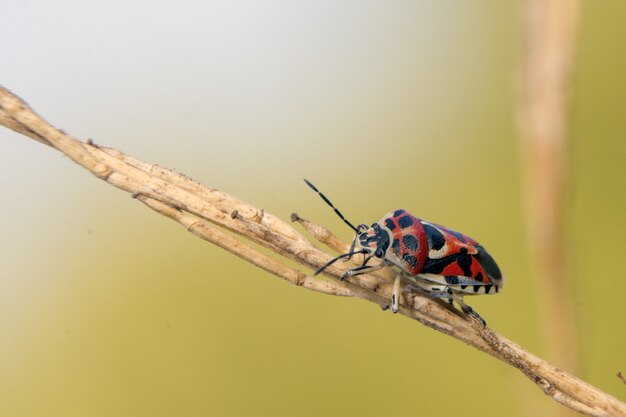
[(219, 218), (545, 75)]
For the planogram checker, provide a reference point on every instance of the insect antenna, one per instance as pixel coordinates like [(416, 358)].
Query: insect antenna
[(334, 208), (332, 261)]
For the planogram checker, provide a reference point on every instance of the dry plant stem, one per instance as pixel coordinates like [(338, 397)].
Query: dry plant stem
[(227, 222), (546, 67), (206, 231)]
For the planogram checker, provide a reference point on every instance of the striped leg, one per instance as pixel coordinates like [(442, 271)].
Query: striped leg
[(395, 295), (466, 309), (363, 269), (447, 294)]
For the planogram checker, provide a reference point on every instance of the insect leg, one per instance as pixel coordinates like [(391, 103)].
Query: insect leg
[(335, 259), (433, 294), (395, 295), (363, 269), (447, 294), (466, 309), (359, 229), (352, 246)]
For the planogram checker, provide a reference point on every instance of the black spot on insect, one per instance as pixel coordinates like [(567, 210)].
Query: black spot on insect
[(410, 260), (487, 262), (477, 287), (435, 289), (463, 287), (410, 242), (398, 212), (488, 288), (452, 279), (405, 222), (395, 246), (435, 266), (436, 240), (497, 288), (390, 224), (465, 262)]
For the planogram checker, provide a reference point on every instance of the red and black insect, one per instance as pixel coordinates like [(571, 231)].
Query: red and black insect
[(434, 259)]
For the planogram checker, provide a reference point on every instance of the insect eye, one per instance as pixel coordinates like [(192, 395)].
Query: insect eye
[(379, 253)]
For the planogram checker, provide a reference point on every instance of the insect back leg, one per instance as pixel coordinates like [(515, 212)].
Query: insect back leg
[(444, 293), (466, 309)]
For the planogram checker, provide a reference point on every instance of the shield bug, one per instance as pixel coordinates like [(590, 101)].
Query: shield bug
[(437, 261)]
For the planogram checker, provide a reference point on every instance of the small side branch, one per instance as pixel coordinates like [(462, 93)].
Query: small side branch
[(232, 225)]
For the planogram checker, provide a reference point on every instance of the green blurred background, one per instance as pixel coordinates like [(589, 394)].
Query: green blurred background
[(108, 309)]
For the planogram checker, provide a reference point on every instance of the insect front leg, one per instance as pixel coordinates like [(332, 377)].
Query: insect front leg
[(363, 269), (359, 229)]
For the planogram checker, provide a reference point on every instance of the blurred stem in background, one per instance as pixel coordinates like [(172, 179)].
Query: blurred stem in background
[(546, 73)]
